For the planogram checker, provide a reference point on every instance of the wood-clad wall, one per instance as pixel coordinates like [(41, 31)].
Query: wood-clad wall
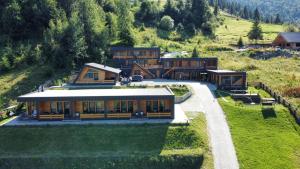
[(101, 76)]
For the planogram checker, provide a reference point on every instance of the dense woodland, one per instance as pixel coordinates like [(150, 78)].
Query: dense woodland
[(68, 33), (287, 9)]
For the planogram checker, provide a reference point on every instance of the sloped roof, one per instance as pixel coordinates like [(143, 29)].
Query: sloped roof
[(103, 67), (291, 36), (116, 48)]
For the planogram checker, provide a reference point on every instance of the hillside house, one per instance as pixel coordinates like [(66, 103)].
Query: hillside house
[(93, 73), (288, 40)]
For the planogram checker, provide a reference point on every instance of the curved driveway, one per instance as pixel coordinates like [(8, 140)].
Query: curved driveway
[(203, 100)]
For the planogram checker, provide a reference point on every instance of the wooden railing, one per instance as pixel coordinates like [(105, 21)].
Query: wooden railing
[(159, 114), (51, 117), (92, 116), (118, 115)]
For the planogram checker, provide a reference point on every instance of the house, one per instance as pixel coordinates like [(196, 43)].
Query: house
[(227, 79), (288, 40), (93, 73), (148, 63), (100, 104)]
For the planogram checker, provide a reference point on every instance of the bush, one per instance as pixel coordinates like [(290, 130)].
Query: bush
[(48, 72), (217, 48), (166, 23), (293, 92)]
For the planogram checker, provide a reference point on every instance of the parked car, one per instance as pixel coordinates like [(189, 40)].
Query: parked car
[(137, 78)]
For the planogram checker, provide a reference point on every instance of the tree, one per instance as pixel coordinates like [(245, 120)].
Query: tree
[(148, 13), (77, 46), (200, 12), (240, 43), (255, 32), (246, 13), (112, 25), (216, 9), (195, 53), (166, 23), (257, 15), (278, 20), (125, 24), (12, 20)]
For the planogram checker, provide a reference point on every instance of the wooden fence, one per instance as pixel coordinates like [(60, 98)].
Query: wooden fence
[(292, 108)]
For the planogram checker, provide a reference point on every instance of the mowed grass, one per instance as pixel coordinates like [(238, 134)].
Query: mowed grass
[(264, 139), (117, 146), (234, 28)]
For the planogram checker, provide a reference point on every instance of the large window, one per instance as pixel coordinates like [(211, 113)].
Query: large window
[(161, 105), (92, 107), (52, 107), (226, 80), (130, 106), (60, 107), (155, 106), (148, 106), (117, 106), (123, 106), (100, 107)]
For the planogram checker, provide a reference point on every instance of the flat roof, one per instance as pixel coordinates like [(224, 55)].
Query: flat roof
[(95, 93)]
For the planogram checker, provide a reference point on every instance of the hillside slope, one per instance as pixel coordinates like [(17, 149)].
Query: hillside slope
[(288, 9)]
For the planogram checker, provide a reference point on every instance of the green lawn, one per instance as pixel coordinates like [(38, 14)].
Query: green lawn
[(121, 146), (179, 90), (264, 139)]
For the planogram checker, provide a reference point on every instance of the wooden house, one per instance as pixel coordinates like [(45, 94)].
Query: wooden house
[(288, 40), (100, 104), (227, 79), (93, 73), (188, 68)]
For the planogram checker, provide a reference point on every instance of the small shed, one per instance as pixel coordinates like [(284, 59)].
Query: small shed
[(288, 40)]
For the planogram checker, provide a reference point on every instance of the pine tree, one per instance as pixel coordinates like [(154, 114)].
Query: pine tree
[(240, 43), (257, 15), (125, 24), (195, 53), (255, 32), (245, 13), (278, 20), (216, 9)]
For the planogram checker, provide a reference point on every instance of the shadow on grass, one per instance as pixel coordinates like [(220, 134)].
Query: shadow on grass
[(268, 112), (96, 146)]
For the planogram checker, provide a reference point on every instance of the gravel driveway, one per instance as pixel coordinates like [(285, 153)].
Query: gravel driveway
[(204, 101)]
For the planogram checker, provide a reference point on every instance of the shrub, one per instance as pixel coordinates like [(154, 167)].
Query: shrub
[(217, 48), (166, 23), (293, 92)]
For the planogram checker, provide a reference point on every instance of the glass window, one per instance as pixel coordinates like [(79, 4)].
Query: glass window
[(148, 106), (226, 80), (59, 107), (100, 107), (85, 107), (117, 106), (161, 105), (124, 106), (52, 107), (130, 106), (92, 107), (155, 106), (96, 76)]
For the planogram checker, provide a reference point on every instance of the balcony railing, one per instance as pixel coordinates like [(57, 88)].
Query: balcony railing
[(51, 117), (92, 116), (159, 114)]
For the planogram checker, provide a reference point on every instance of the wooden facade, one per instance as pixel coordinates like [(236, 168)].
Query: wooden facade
[(93, 73), (120, 106), (228, 80), (287, 40)]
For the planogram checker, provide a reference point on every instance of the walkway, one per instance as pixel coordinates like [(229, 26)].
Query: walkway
[(180, 118), (204, 101)]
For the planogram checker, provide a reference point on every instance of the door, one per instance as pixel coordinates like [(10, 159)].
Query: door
[(67, 110)]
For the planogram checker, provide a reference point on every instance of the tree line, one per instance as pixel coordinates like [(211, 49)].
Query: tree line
[(68, 33)]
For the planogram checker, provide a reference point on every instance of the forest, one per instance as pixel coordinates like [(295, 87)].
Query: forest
[(66, 33)]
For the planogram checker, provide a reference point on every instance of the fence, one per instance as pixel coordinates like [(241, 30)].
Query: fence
[(292, 108)]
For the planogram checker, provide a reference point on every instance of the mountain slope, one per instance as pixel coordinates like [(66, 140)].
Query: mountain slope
[(288, 9)]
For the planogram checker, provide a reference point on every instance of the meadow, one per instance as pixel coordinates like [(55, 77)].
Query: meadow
[(263, 137), (104, 146)]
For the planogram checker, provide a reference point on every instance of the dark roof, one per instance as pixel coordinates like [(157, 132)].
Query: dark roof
[(133, 48), (95, 94), (291, 36), (210, 58), (229, 72), (103, 67)]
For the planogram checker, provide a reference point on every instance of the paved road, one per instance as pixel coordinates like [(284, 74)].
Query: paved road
[(204, 101)]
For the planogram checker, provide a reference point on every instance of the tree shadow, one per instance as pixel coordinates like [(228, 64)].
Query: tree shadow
[(269, 112)]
